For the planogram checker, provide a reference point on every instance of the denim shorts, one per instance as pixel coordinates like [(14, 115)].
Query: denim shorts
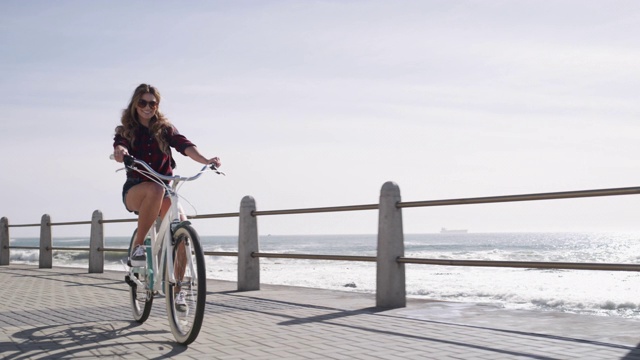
[(131, 182)]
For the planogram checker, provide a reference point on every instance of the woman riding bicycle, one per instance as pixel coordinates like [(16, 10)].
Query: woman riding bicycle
[(147, 135)]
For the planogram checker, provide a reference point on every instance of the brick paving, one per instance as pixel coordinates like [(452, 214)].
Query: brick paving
[(64, 313)]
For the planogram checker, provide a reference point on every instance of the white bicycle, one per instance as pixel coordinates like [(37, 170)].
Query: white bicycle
[(175, 262)]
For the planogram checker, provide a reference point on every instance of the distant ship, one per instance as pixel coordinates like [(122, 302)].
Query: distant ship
[(453, 231)]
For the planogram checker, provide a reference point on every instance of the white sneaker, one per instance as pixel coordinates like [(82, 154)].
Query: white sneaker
[(138, 256), (181, 302)]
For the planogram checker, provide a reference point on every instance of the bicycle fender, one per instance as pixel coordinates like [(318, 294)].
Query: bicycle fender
[(179, 225)]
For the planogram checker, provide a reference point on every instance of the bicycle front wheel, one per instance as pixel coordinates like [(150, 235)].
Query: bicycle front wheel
[(186, 298)]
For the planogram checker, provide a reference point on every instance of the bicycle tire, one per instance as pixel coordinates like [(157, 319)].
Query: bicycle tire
[(141, 299), (185, 325)]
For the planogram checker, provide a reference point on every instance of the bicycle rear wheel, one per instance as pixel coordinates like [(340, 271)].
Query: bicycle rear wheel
[(141, 297), (190, 275)]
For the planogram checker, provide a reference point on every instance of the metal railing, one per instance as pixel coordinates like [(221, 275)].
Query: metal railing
[(390, 259)]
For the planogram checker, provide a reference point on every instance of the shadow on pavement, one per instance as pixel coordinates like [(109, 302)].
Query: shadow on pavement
[(65, 340)]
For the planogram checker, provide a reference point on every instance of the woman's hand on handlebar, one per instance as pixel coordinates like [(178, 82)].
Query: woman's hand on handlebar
[(215, 162), (119, 152)]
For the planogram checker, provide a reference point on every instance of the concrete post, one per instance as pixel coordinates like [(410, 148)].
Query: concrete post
[(96, 244), (46, 252), (390, 280), (4, 241), (248, 266)]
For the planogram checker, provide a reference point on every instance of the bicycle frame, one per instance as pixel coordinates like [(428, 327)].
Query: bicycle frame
[(161, 247), (161, 243)]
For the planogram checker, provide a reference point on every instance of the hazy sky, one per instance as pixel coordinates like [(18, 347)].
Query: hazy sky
[(318, 103)]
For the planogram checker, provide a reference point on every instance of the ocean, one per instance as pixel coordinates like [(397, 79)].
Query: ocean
[(606, 293)]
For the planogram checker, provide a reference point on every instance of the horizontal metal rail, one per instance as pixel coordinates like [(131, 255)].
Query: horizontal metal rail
[(220, 253), (525, 197), (24, 225), (117, 221), (74, 223), (523, 264), (316, 210), (70, 223), (69, 248), (213, 216), (405, 260), (209, 253), (50, 248), (314, 257)]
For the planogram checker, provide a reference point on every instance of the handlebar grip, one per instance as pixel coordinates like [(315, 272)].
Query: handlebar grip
[(215, 169), (128, 160)]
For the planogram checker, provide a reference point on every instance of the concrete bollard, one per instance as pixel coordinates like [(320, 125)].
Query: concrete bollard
[(96, 244), (46, 252), (4, 241), (390, 274), (248, 266)]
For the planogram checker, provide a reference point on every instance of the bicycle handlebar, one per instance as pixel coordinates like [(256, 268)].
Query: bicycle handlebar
[(130, 161)]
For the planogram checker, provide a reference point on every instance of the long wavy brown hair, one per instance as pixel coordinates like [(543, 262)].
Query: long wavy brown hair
[(158, 125)]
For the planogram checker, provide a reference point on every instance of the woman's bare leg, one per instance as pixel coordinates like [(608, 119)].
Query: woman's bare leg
[(147, 199)]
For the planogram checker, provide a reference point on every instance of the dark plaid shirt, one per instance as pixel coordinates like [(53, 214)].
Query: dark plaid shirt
[(147, 149)]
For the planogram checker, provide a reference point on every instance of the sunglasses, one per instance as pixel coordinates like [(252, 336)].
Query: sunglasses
[(143, 103)]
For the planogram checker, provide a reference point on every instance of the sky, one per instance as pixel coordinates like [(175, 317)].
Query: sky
[(319, 103)]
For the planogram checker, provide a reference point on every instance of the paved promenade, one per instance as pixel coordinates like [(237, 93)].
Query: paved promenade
[(67, 313)]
